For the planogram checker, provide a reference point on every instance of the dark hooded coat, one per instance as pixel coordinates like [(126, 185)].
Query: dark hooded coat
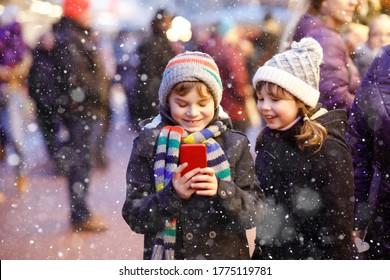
[(309, 195), (369, 137)]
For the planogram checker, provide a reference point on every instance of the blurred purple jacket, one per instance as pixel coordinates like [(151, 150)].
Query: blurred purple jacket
[(339, 78)]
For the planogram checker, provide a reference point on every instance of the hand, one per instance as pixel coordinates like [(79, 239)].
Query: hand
[(357, 233), (182, 184), (205, 182)]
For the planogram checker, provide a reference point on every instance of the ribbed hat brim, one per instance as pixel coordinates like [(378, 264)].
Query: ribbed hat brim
[(289, 82)]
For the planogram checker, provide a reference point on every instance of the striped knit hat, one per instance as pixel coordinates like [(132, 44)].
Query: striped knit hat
[(190, 67), (296, 70)]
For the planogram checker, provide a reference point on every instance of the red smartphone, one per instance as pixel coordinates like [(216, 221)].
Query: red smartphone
[(194, 154)]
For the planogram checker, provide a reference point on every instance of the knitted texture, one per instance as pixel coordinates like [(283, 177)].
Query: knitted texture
[(296, 70), (167, 158), (191, 66)]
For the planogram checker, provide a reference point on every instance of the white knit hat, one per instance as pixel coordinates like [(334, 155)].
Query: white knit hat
[(296, 70), (191, 66)]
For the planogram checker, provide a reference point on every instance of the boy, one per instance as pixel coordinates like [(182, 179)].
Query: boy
[(204, 213)]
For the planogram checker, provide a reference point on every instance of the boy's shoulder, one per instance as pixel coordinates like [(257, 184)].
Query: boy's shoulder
[(233, 137)]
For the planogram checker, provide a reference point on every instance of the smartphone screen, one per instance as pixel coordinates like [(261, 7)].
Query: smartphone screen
[(194, 154)]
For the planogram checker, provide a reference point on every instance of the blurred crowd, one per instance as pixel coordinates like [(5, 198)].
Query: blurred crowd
[(71, 72)]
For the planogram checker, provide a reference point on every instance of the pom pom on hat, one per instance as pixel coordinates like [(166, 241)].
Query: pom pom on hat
[(296, 70), (75, 9), (190, 67)]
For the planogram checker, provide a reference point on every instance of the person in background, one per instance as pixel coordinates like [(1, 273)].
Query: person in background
[(223, 47), (15, 61), (43, 89), (154, 53), (354, 34), (204, 213), (378, 37), (303, 161), (369, 138), (323, 21), (127, 62), (80, 97), (105, 69)]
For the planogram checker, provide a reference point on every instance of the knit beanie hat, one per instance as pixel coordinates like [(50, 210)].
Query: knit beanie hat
[(75, 8), (190, 67), (296, 70)]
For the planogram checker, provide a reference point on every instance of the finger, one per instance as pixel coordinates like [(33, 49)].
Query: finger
[(202, 186), (202, 178), (191, 173), (206, 192), (179, 169), (208, 170)]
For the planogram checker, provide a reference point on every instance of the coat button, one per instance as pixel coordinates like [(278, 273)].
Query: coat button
[(223, 193), (189, 236), (212, 234)]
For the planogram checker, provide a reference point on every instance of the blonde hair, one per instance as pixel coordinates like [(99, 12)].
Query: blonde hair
[(312, 133)]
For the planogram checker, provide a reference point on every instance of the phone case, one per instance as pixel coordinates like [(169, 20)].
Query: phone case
[(194, 154)]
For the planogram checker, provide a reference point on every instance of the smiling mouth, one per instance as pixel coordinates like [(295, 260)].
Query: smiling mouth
[(192, 122), (270, 118)]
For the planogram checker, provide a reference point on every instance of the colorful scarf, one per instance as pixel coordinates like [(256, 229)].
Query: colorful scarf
[(167, 158)]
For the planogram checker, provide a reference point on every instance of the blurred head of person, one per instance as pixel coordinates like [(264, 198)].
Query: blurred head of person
[(46, 41), (161, 22), (379, 32), (354, 34), (79, 11), (335, 13)]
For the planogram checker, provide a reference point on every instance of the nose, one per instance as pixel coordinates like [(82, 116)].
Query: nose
[(263, 105), (193, 111)]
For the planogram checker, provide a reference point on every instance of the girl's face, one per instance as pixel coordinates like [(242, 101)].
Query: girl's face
[(277, 107), (193, 110)]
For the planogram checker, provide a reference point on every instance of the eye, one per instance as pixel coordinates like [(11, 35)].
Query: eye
[(181, 103), (259, 97)]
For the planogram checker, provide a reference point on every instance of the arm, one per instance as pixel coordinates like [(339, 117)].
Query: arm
[(336, 77), (146, 210), (242, 198), (360, 138)]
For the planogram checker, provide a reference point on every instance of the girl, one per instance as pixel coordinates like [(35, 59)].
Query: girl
[(204, 213), (303, 162)]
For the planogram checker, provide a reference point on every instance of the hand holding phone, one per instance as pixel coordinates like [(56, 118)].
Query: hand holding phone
[(194, 154)]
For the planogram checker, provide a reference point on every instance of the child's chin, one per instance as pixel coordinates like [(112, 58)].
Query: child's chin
[(193, 128)]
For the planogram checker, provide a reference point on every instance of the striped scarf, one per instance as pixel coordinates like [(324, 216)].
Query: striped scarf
[(167, 158)]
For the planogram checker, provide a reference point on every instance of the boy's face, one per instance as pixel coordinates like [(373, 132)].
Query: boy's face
[(191, 111)]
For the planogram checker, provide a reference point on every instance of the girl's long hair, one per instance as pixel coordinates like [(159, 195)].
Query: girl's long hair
[(312, 133)]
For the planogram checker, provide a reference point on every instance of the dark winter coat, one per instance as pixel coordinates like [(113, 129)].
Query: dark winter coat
[(369, 137), (208, 227), (339, 79), (42, 85), (310, 196), (79, 74), (154, 54)]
